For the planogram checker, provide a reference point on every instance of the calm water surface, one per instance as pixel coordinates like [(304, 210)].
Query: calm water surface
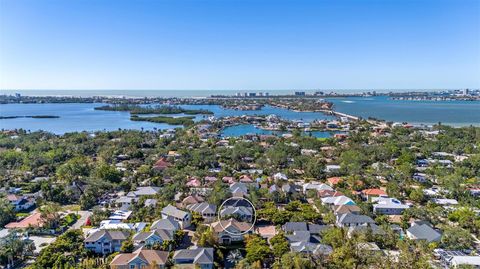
[(455, 113), (83, 117)]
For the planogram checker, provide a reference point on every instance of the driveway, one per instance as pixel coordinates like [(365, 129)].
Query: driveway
[(81, 221), (41, 242)]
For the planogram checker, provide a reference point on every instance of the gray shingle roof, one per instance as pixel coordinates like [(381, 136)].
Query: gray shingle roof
[(424, 232), (295, 226), (111, 235), (355, 219), (170, 210), (203, 208), (198, 255), (165, 224)]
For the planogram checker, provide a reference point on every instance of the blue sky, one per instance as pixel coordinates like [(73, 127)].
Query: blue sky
[(228, 44)]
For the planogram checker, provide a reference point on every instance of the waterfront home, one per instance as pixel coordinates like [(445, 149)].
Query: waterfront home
[(153, 237), (20, 203), (193, 257), (206, 210), (423, 231), (351, 220), (368, 194), (389, 206), (140, 259), (231, 231), (105, 241), (165, 224), (183, 218)]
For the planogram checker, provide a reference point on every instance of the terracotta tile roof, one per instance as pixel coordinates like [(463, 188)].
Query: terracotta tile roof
[(32, 220), (376, 192), (334, 180)]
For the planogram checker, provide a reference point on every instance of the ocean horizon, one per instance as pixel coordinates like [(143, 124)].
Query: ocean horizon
[(196, 93)]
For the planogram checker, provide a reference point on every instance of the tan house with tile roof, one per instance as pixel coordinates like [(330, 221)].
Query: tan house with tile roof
[(140, 259)]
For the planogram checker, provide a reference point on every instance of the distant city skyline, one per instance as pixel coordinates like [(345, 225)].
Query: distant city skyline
[(239, 45)]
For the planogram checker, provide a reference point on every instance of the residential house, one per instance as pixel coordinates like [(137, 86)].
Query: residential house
[(231, 231), (189, 258), (351, 220), (337, 200), (125, 202), (105, 241), (242, 213), (291, 227), (34, 220), (161, 164), (368, 194), (153, 237), (389, 206), (239, 189), (316, 186), (140, 259), (192, 199), (333, 181), (144, 191), (20, 203), (183, 218), (206, 210), (423, 231), (344, 209), (328, 193), (165, 224)]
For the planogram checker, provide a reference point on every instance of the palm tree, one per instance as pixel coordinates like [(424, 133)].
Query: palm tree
[(50, 214), (234, 256)]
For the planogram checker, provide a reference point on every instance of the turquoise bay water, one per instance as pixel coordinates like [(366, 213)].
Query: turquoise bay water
[(83, 117)]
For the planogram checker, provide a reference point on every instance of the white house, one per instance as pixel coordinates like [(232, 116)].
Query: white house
[(389, 206)]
